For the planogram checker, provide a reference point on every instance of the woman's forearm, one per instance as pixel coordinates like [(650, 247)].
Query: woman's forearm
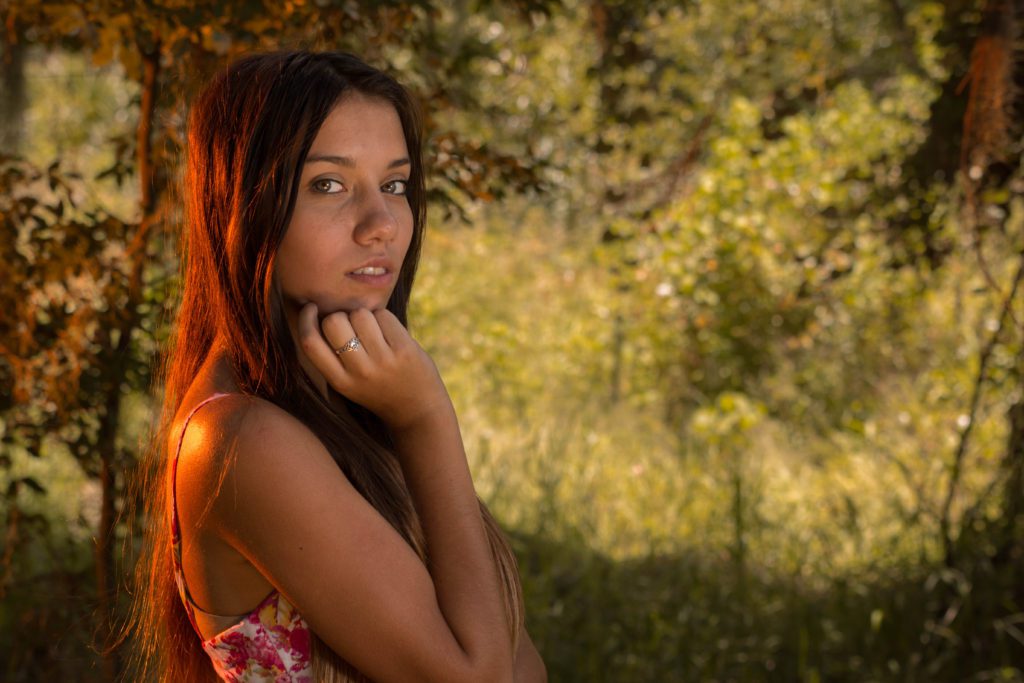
[(461, 565), (529, 667)]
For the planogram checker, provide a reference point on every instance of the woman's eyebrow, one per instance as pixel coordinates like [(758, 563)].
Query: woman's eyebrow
[(349, 161)]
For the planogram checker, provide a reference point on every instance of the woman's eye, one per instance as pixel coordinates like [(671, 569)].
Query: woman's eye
[(398, 187), (326, 186)]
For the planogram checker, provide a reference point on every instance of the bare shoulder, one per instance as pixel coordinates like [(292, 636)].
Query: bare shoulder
[(238, 448), (218, 429)]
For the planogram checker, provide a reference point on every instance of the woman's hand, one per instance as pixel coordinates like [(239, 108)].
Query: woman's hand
[(359, 584), (389, 373)]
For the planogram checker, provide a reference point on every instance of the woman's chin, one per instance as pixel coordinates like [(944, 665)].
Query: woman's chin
[(349, 305)]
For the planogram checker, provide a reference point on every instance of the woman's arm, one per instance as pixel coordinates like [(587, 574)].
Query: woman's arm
[(289, 510), (529, 665), (465, 577)]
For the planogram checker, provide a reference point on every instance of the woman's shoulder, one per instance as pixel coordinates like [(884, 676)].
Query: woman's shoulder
[(223, 432), (229, 409)]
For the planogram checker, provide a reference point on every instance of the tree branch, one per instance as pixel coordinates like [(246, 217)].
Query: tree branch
[(958, 458)]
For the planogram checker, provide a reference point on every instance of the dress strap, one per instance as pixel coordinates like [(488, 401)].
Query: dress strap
[(179, 574)]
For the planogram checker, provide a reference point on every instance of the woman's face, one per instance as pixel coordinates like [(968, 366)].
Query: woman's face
[(352, 223)]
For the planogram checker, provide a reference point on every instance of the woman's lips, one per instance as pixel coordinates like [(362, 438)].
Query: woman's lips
[(373, 276)]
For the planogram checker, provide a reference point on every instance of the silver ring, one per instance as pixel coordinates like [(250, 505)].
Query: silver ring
[(351, 345)]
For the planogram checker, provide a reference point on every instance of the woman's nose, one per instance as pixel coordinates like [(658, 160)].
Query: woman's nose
[(376, 222)]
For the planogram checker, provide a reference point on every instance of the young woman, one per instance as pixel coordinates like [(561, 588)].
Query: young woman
[(312, 516)]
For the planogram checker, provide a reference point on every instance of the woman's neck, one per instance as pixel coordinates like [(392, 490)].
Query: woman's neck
[(220, 373), (217, 370)]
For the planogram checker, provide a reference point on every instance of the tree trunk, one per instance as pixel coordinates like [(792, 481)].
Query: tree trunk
[(12, 94), (739, 551), (117, 362), (1010, 543), (105, 583)]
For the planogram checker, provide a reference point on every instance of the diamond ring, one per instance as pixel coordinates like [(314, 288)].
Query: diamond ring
[(351, 345)]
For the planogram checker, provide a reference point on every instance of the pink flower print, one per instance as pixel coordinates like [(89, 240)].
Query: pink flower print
[(298, 639)]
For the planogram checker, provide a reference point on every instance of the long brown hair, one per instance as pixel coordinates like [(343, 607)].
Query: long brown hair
[(249, 134)]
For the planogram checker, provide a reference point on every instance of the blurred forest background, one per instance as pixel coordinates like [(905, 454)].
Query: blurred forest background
[(727, 294)]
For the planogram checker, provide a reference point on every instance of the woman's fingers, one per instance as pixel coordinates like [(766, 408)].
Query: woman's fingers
[(317, 350), (393, 331), (387, 372), (338, 331), (365, 327), (365, 357)]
